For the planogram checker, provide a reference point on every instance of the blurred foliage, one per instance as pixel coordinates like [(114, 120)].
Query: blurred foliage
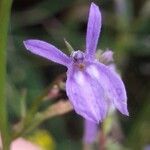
[(43, 139), (126, 30)]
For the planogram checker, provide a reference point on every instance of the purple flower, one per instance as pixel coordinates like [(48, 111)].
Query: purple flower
[(91, 86)]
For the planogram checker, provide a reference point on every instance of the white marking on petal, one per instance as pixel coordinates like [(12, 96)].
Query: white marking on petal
[(92, 70), (79, 78)]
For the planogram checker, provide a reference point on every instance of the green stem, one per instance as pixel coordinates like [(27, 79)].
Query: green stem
[(5, 7)]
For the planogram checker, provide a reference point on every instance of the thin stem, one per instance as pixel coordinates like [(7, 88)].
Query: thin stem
[(32, 111), (5, 7), (57, 109)]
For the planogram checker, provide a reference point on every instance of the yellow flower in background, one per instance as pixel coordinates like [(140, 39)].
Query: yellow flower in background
[(43, 139)]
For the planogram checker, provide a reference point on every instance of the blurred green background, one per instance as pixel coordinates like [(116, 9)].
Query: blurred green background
[(125, 30)]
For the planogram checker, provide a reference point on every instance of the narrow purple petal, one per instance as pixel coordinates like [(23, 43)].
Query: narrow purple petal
[(47, 50), (90, 132), (93, 30), (114, 87), (86, 95)]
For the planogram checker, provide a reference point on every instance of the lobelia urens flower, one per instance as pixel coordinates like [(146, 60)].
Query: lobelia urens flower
[(91, 86)]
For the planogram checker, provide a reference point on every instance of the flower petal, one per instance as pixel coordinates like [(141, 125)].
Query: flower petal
[(93, 30), (90, 132), (106, 57), (47, 50), (86, 95), (113, 85)]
